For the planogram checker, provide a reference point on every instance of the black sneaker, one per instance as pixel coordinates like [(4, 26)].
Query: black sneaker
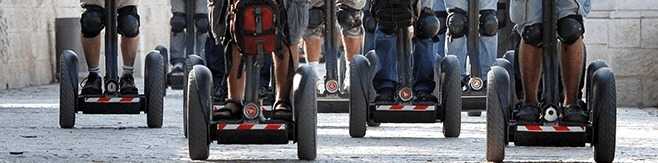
[(425, 97), (385, 95), (93, 85), (528, 114), (574, 114), (127, 85)]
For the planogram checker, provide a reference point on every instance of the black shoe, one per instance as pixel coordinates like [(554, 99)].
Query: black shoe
[(229, 110), (127, 85), (178, 69), (385, 95), (219, 92), (282, 111), (574, 114), (93, 85), (425, 97), (528, 114)]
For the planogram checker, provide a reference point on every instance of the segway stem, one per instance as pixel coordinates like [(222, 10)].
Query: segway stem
[(111, 65), (330, 45), (551, 70), (473, 39), (404, 58)]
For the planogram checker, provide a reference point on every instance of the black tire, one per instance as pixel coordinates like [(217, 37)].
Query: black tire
[(190, 62), (451, 96), (591, 68), (605, 114), (306, 113), (165, 57), (68, 88), (498, 99), (359, 69), (154, 80), (199, 104), (474, 114)]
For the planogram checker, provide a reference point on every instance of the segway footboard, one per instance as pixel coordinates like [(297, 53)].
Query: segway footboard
[(267, 132), (111, 104), (404, 113), (550, 135)]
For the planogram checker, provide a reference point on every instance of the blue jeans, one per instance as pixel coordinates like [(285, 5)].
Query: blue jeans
[(488, 44), (423, 56)]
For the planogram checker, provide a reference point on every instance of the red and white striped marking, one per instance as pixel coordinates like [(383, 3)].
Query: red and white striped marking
[(251, 126), (554, 128), (400, 107), (106, 99)]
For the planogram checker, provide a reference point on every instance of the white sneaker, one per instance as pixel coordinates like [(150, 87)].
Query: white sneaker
[(346, 81)]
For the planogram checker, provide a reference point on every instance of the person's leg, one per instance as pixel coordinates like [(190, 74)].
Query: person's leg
[(440, 12), (457, 31), (314, 37), (128, 26), (424, 57), (92, 24), (488, 35), (202, 25), (386, 77), (349, 17), (570, 29), (177, 37)]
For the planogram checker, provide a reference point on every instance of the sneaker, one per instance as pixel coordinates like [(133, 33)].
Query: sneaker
[(385, 95), (574, 114), (93, 84), (127, 85), (528, 114), (425, 97)]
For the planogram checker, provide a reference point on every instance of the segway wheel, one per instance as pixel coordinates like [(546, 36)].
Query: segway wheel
[(306, 113), (451, 96), (190, 62), (474, 114), (154, 81), (68, 88), (498, 99), (359, 68), (199, 103), (591, 68), (165, 57), (605, 114)]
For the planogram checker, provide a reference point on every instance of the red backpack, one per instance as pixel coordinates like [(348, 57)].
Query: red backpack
[(253, 26)]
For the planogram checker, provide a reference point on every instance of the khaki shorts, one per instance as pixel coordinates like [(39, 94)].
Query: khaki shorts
[(178, 6), (119, 3)]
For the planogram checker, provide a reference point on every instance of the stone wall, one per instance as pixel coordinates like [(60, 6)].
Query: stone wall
[(27, 37), (625, 34)]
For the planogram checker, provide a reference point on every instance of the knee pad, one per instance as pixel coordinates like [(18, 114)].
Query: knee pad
[(488, 23), (177, 22), (570, 29), (316, 17), (427, 25), (533, 35), (202, 24), (443, 17), (457, 23), (128, 21), (348, 17), (369, 23), (92, 21)]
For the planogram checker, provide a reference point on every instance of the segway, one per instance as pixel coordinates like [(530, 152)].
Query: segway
[(257, 123), (364, 110), (111, 101), (332, 98), (502, 126), (179, 80)]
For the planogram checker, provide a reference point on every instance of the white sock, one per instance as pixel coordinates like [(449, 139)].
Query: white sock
[(128, 69), (94, 69)]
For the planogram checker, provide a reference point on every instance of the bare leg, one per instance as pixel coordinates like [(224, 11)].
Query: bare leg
[(92, 47), (572, 64), (281, 68), (353, 45), (129, 50), (235, 84), (313, 48), (530, 60)]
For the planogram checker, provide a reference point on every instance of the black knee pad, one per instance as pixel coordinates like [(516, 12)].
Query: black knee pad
[(348, 17), (92, 21), (177, 22), (488, 23), (427, 25), (533, 35), (570, 29), (202, 24), (128, 21), (316, 17), (457, 23), (443, 17)]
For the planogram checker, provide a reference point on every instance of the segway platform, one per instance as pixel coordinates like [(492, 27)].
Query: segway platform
[(111, 104), (405, 113)]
